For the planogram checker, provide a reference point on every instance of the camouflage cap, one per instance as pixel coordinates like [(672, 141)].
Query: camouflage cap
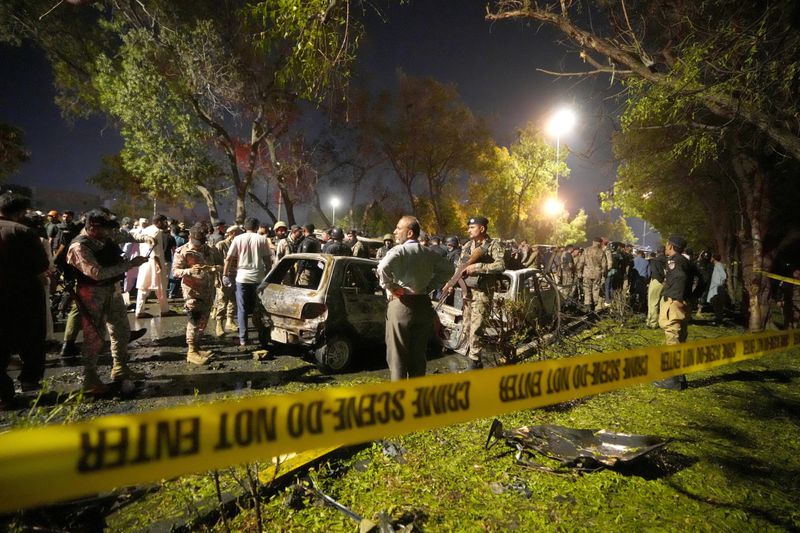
[(388, 237), (279, 224), (479, 220)]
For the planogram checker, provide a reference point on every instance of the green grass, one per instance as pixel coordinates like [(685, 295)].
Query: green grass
[(732, 463)]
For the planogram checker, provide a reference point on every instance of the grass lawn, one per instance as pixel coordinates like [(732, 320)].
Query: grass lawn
[(733, 463)]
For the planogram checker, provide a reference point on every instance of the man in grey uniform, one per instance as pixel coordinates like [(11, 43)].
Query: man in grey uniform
[(408, 273)]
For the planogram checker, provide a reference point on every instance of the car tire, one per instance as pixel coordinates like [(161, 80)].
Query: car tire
[(336, 355)]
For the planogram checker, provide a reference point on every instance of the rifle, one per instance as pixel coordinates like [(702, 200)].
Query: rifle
[(474, 257)]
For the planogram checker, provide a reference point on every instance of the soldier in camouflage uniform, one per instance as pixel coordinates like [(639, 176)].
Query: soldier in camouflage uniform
[(97, 263), (480, 277), (594, 268), (195, 264), (225, 302), (388, 243)]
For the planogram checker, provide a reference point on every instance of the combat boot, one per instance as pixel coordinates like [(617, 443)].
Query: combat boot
[(121, 371), (92, 384), (69, 349), (197, 357), (231, 326), (220, 330)]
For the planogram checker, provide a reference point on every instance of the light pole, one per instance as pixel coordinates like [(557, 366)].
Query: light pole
[(334, 205), (559, 124)]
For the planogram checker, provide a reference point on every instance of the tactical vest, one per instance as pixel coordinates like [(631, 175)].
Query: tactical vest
[(107, 255)]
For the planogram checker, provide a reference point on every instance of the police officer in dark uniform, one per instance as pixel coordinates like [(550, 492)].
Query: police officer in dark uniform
[(674, 313), (336, 246)]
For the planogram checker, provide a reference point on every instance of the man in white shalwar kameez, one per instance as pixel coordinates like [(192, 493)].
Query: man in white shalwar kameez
[(152, 275)]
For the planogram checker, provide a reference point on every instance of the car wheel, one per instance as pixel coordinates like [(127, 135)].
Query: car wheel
[(336, 355)]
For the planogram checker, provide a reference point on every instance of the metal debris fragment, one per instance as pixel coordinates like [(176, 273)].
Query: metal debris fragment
[(582, 449)]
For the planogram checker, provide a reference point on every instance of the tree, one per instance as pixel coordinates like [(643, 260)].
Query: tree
[(718, 80), (606, 226), (201, 90), (513, 183), (12, 150), (738, 61), (567, 231), (426, 132)]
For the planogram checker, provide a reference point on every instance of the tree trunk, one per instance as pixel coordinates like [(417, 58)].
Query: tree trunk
[(263, 205), (211, 203), (241, 209), (755, 258)]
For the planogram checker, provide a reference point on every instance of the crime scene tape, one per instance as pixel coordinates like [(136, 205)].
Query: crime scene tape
[(42, 465), (793, 281)]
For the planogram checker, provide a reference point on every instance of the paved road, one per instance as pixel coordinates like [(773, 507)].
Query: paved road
[(161, 353)]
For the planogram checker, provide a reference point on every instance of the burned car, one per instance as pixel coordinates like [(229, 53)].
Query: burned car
[(328, 304), (529, 286)]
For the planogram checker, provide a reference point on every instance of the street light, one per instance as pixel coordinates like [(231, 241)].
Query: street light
[(334, 205), (560, 124), (553, 207)]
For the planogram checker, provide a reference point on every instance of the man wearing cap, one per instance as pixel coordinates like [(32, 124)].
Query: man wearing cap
[(217, 235), (96, 261), (408, 272), (196, 265), (388, 243), (51, 228), (225, 302), (594, 265), (290, 244), (480, 277), (673, 316)]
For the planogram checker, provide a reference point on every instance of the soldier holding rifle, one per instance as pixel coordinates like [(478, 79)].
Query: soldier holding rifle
[(480, 275)]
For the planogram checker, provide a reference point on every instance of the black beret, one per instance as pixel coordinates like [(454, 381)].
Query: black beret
[(677, 241), (480, 220)]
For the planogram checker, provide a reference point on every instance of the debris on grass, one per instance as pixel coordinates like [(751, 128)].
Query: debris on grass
[(581, 449)]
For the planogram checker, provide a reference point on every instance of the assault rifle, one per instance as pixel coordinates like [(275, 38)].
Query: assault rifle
[(474, 257)]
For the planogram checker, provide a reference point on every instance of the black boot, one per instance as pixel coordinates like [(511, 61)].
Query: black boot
[(69, 349)]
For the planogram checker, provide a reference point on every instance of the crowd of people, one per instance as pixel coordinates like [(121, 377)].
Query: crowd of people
[(91, 271)]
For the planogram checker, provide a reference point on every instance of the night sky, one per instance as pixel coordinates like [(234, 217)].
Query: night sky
[(494, 67)]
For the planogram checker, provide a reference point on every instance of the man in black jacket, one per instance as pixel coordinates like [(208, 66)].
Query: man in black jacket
[(674, 314)]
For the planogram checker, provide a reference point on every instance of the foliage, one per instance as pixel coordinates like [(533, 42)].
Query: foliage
[(427, 133), (513, 183), (605, 225), (567, 231), (200, 92), (12, 150)]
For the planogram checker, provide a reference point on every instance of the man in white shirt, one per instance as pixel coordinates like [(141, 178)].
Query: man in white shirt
[(250, 254), (408, 272)]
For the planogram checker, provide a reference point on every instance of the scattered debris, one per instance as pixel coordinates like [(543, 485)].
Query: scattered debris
[(261, 355), (394, 451), (581, 449)]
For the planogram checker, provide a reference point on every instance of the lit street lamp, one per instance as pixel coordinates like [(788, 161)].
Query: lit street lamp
[(334, 205), (553, 207), (560, 124)]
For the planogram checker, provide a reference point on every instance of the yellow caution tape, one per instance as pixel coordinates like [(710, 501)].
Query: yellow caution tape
[(47, 464), (793, 281)]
